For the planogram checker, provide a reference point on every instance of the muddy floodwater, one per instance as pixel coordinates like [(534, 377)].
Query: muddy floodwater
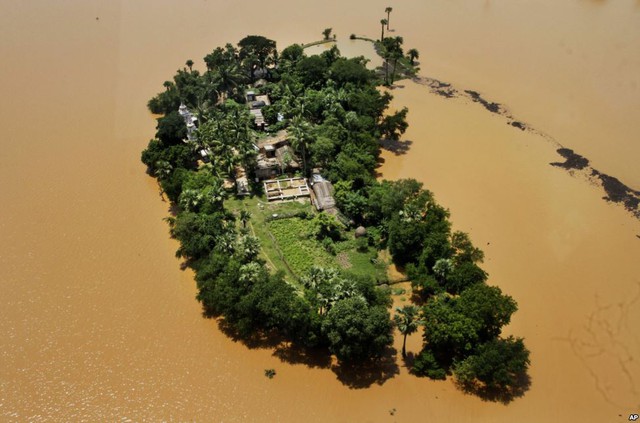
[(98, 322)]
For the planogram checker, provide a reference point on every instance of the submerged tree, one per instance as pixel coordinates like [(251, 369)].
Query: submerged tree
[(413, 55), (388, 11), (383, 22)]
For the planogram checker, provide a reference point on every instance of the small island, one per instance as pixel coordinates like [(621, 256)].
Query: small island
[(269, 160)]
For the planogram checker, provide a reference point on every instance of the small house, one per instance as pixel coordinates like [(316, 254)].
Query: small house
[(323, 193)]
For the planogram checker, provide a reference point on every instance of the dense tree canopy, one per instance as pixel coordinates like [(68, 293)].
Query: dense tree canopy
[(357, 331), (497, 364)]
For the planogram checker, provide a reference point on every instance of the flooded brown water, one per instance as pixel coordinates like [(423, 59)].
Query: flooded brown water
[(97, 322)]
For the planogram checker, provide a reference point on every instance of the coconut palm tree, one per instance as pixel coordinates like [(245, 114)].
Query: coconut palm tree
[(189, 64), (163, 169), (300, 139), (442, 268), (383, 22), (407, 322), (413, 55), (227, 78), (249, 272), (248, 247), (245, 216), (388, 10)]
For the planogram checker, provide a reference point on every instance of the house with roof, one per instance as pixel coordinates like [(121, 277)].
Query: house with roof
[(256, 103), (275, 156)]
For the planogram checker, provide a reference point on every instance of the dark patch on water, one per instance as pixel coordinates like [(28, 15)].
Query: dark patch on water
[(573, 160), (617, 192), (519, 125), (443, 89), (490, 106)]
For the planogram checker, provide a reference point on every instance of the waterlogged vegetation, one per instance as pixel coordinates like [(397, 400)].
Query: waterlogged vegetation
[(282, 270)]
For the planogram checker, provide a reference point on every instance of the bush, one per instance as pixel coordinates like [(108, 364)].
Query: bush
[(329, 245), (362, 245), (352, 36), (426, 364)]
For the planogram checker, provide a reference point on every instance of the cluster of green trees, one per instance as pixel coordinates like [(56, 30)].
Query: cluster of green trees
[(335, 116), (390, 48), (462, 316)]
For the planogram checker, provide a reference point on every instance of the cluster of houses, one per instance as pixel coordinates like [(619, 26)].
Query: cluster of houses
[(275, 158)]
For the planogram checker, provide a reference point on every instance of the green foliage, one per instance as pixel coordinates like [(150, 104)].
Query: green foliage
[(312, 70), (487, 306), (413, 54), (497, 364), (327, 226), (353, 71), (393, 126), (406, 320), (295, 239), (448, 330), (199, 233), (426, 364), (293, 53), (463, 276), (356, 331), (255, 51), (362, 244), (464, 249), (178, 156), (166, 101), (172, 185)]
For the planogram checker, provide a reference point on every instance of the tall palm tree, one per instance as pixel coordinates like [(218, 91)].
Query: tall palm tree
[(396, 55), (388, 10), (413, 55), (383, 22), (227, 78), (407, 322), (189, 63), (301, 138)]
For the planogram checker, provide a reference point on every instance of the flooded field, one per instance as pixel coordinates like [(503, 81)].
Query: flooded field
[(98, 322)]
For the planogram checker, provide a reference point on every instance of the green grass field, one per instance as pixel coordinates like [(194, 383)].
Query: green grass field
[(288, 244)]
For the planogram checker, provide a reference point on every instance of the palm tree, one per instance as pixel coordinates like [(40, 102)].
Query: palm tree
[(245, 216), (189, 63), (383, 22), (388, 10), (227, 78), (163, 169), (413, 55), (300, 138), (406, 320), (327, 33), (442, 268), (396, 55)]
